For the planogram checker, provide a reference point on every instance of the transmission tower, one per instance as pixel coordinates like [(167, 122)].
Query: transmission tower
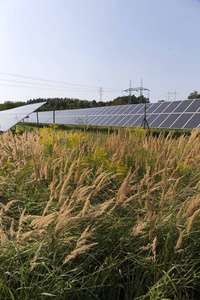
[(136, 89), (130, 90), (101, 93), (141, 89), (171, 94)]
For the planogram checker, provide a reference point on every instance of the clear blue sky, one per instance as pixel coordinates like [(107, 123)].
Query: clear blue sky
[(77, 46)]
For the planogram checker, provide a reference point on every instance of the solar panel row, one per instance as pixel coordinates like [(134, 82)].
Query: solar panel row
[(176, 115), (10, 117)]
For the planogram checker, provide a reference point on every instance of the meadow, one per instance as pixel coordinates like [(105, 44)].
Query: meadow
[(105, 216)]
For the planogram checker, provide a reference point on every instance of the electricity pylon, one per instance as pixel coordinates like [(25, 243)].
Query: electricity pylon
[(101, 93), (129, 90), (136, 89)]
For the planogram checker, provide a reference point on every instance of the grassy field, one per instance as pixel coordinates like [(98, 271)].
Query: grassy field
[(104, 216)]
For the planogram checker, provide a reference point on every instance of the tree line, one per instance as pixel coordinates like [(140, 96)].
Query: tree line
[(73, 103)]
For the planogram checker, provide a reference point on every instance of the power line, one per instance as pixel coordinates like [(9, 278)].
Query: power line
[(49, 88), (55, 81), (156, 93), (45, 85), (47, 80)]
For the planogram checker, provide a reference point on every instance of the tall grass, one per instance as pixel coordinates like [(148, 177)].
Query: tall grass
[(110, 217)]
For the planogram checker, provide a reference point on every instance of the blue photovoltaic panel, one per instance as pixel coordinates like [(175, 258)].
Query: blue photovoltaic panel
[(108, 111), (170, 120), (122, 111), (183, 106), (194, 107), (133, 119), (105, 110), (160, 119), (171, 107), (124, 121), (194, 122), (93, 111), (112, 119), (116, 109), (103, 120), (176, 114), (137, 122), (133, 109), (141, 110), (151, 118), (153, 107), (116, 121), (128, 109), (161, 107), (148, 105), (64, 120), (181, 121), (97, 120), (91, 119)]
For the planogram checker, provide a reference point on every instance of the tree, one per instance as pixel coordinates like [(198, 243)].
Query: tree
[(94, 103), (10, 104), (194, 95)]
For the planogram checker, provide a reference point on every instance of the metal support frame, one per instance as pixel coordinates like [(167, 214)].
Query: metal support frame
[(37, 119), (145, 122)]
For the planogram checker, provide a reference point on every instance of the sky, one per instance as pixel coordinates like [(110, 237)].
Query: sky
[(72, 48)]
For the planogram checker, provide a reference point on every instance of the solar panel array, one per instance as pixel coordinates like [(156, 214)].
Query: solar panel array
[(10, 117), (175, 115)]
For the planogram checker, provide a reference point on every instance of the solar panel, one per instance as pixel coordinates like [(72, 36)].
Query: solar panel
[(101, 111), (193, 122), (137, 122), (194, 107), (10, 117), (115, 121), (131, 120), (124, 121), (119, 110), (179, 123), (153, 107), (176, 115), (161, 107), (108, 110), (171, 107), (103, 119), (44, 117), (159, 120), (170, 120), (151, 118), (112, 119), (127, 110), (182, 107)]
